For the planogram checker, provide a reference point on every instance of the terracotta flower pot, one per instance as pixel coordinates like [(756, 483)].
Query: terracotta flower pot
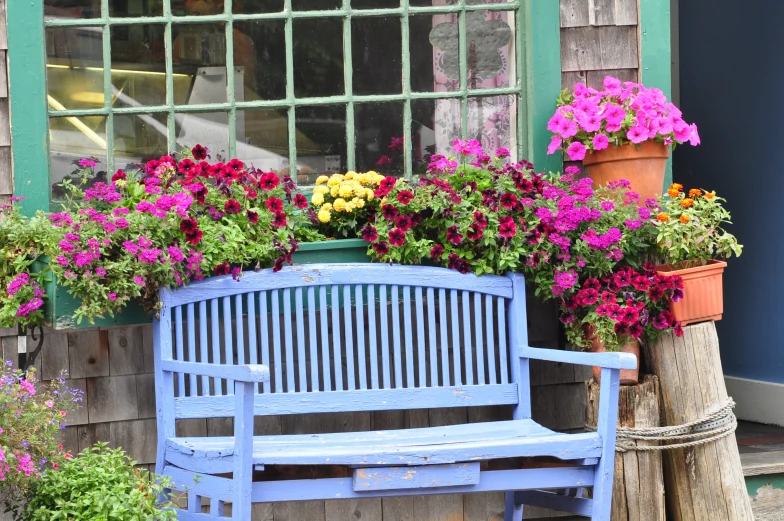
[(628, 376), (643, 167), (703, 297)]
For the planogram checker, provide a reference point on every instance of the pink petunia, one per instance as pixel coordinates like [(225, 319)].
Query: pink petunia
[(600, 142), (694, 140), (576, 151), (555, 144), (614, 114), (567, 128), (637, 134)]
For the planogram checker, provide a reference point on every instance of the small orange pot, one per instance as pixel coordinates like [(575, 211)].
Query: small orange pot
[(643, 167), (703, 296), (628, 376)]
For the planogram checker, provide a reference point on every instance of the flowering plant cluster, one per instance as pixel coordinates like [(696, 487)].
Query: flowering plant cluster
[(621, 307), (31, 417), (620, 114), (343, 203), (689, 227)]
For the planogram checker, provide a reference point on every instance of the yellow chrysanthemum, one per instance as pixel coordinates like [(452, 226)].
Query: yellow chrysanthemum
[(334, 180), (327, 207), (345, 190), (370, 194), (322, 179), (339, 205), (317, 199), (324, 215), (323, 190), (350, 207), (359, 203), (350, 174), (334, 190)]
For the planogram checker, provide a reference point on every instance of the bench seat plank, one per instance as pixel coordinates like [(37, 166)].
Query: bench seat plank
[(433, 445)]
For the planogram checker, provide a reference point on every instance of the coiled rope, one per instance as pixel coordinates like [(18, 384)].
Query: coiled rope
[(711, 427)]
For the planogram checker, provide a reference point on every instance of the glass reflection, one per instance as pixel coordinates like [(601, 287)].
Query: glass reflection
[(72, 139), (379, 137), (210, 129), (74, 68), (376, 55), (139, 138), (263, 138), (491, 120), (262, 66), (72, 9), (435, 124), (321, 141), (138, 65), (318, 57)]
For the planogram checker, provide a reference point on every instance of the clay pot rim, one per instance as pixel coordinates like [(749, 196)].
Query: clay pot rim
[(649, 149), (674, 269)]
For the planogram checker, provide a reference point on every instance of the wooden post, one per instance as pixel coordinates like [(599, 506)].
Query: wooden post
[(638, 489), (705, 481)]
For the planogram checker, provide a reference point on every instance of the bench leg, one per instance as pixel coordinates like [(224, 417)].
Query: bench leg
[(243, 451), (513, 511), (606, 427)]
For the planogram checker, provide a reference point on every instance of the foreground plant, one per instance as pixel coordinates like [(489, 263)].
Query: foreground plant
[(99, 484)]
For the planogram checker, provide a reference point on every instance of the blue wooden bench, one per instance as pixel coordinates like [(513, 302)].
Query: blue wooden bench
[(336, 338)]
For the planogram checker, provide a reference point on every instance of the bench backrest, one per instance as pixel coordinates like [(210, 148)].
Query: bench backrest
[(347, 337)]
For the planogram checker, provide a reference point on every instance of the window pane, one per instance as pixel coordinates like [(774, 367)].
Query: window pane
[(434, 56), (263, 138), (375, 4), (138, 65), (424, 3), (210, 129), (490, 49), (74, 68), (492, 120), (72, 139), (196, 7), (260, 51), (199, 54), (139, 138), (257, 6), (376, 55), (379, 135), (121, 8), (321, 141), (318, 57), (316, 5), (434, 125), (54, 9)]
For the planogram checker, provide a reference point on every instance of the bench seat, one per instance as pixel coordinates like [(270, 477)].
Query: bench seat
[(431, 445)]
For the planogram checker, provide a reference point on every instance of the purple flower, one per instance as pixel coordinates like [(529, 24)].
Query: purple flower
[(139, 280), (131, 247), (607, 206), (644, 213), (83, 259), (176, 254), (149, 256), (100, 272), (677, 295), (62, 260)]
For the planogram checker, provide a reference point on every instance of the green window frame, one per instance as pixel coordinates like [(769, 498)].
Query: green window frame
[(538, 81)]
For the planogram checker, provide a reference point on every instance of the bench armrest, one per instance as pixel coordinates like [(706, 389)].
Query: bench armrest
[(241, 373), (609, 360)]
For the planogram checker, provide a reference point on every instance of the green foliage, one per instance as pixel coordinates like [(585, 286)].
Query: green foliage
[(100, 484)]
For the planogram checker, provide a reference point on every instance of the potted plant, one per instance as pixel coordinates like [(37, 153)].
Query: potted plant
[(619, 310), (622, 132), (693, 243)]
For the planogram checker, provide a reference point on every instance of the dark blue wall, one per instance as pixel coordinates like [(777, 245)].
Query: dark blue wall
[(732, 86)]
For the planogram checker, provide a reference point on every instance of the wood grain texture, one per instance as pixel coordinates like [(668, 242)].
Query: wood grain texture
[(88, 352), (763, 463), (3, 26), (706, 481), (575, 13), (599, 48), (626, 12), (3, 75), (145, 395), (54, 355), (638, 489), (5, 129), (112, 398), (125, 356)]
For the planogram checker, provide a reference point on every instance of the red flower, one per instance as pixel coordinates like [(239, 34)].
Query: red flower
[(635, 330), (453, 235), (199, 153), (507, 227), (195, 237), (404, 197), (277, 265), (199, 191), (189, 225), (474, 232), (567, 318), (592, 284), (268, 181), (369, 233), (274, 205), (384, 160), (232, 207), (396, 144), (250, 193), (253, 217), (508, 200), (621, 328), (678, 329), (655, 293), (480, 219), (300, 201), (622, 279), (386, 186), (222, 269), (389, 212), (403, 222), (185, 165), (397, 237), (641, 283), (381, 247), (609, 297), (119, 175), (436, 251), (588, 296), (629, 316), (279, 221)]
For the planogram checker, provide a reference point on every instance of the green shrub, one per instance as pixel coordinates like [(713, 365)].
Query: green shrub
[(100, 484)]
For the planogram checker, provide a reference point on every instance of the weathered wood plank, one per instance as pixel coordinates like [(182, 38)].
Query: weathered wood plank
[(763, 463), (80, 416), (570, 406), (54, 355), (3, 75), (626, 12), (572, 78), (574, 13), (6, 177), (125, 350), (147, 349), (354, 509), (595, 79), (580, 49), (3, 26), (618, 47), (145, 395), (92, 433), (112, 398), (602, 12), (5, 129), (10, 347), (300, 510), (138, 438), (88, 353)]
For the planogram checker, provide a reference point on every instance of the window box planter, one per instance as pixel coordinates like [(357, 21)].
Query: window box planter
[(60, 305)]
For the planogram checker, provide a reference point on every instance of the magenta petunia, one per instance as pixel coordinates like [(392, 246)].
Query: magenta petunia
[(600, 142), (555, 145), (397, 237), (637, 134), (576, 151)]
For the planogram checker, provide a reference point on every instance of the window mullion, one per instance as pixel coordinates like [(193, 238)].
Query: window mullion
[(167, 37), (231, 94), (107, 86), (292, 120), (348, 74), (407, 144), (463, 63)]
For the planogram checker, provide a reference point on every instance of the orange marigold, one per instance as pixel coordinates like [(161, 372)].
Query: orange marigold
[(687, 203), (685, 219), (695, 192), (663, 217), (672, 192), (710, 195), (676, 186)]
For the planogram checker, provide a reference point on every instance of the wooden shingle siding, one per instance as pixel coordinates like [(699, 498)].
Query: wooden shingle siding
[(6, 176)]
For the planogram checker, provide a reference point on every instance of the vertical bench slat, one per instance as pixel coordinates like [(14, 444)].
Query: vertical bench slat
[(469, 357), (456, 338), (325, 356), (518, 336), (194, 503), (421, 342), (179, 348), (383, 318), (491, 347), (265, 339), (253, 346), (240, 325), (372, 341), (361, 355), (349, 338), (479, 334), (337, 354), (216, 507), (216, 358), (444, 338), (228, 345), (302, 363), (276, 348), (397, 350), (204, 345), (290, 363), (431, 329), (313, 339), (408, 332), (192, 378), (503, 352)]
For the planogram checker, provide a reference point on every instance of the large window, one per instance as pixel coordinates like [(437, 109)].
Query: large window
[(299, 86)]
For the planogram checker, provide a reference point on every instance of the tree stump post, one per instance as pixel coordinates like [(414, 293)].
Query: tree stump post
[(638, 488), (705, 481)]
